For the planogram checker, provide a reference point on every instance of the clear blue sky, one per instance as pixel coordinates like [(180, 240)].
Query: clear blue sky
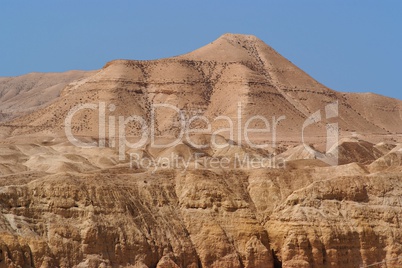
[(348, 45)]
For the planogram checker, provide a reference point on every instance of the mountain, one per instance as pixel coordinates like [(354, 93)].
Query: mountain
[(35, 90), (212, 81), (96, 169)]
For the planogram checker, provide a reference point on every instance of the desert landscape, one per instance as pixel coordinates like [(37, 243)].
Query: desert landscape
[(229, 156)]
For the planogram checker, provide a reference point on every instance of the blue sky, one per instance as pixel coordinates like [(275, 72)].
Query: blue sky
[(348, 45)]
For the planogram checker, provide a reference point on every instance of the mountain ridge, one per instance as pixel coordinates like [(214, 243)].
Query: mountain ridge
[(238, 68), (230, 204)]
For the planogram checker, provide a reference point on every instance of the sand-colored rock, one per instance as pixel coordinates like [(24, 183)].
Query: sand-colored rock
[(34, 90), (66, 206)]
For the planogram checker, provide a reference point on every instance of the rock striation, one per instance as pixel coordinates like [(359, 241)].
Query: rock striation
[(63, 205)]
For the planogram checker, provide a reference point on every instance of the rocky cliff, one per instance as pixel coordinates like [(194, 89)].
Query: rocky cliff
[(63, 205)]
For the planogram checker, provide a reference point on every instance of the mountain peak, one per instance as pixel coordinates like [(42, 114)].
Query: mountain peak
[(239, 37), (228, 47)]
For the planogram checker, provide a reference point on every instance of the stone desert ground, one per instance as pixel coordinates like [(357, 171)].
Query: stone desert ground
[(64, 205)]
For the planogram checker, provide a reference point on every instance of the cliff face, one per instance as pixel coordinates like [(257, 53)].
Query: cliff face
[(66, 206), (202, 218)]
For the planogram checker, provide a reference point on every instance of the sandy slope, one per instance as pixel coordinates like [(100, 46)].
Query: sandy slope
[(34, 90), (66, 206)]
